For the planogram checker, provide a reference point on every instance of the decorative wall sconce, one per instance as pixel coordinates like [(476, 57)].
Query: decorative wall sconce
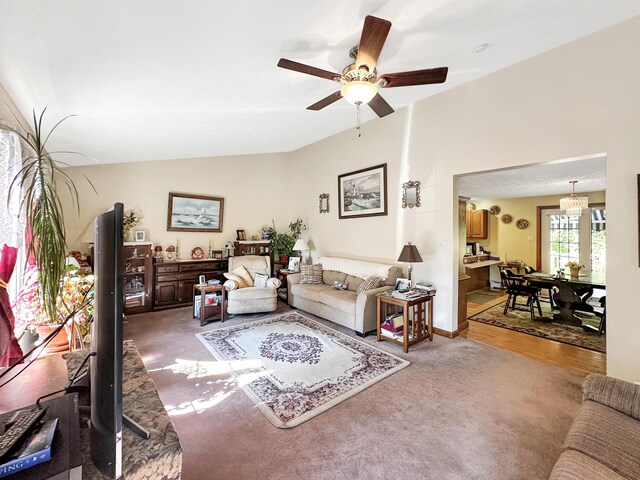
[(411, 194), (324, 203)]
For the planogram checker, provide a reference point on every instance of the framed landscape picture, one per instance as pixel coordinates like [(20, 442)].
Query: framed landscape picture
[(194, 213), (363, 193)]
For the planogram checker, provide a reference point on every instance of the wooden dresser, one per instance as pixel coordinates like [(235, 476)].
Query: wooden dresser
[(173, 281)]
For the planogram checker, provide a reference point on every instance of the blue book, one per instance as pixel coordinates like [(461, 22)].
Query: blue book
[(37, 450)]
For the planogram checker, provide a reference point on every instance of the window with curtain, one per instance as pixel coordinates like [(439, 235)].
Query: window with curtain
[(11, 225)]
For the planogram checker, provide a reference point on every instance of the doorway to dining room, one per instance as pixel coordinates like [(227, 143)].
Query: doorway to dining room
[(527, 231)]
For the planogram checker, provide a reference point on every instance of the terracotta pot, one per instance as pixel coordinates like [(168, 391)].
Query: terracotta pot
[(59, 343)]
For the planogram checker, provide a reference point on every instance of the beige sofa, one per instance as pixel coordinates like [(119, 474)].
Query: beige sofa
[(344, 307), (604, 439)]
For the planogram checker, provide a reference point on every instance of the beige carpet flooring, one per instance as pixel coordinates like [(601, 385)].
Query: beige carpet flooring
[(461, 410)]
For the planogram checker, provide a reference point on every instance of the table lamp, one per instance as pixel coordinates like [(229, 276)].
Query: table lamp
[(411, 255), (300, 245)]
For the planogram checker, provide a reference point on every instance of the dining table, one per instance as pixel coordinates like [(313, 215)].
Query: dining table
[(583, 281)]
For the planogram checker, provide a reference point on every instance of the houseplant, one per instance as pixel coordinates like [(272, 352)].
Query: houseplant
[(38, 184), (282, 243), (75, 300)]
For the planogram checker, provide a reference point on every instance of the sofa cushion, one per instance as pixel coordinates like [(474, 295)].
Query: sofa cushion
[(574, 465), (330, 276), (343, 300), (613, 392), (309, 291), (608, 436), (354, 282), (252, 293), (244, 274), (236, 278), (311, 274), (369, 284)]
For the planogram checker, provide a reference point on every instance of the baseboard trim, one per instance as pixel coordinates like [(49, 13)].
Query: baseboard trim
[(463, 326), (446, 333)]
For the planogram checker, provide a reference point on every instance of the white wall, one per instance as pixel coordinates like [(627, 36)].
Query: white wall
[(249, 185), (580, 99)]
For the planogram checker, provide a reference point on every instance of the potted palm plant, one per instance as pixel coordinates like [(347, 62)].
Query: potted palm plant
[(282, 243), (38, 185)]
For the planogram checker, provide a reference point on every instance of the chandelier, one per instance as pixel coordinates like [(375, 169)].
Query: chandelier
[(574, 204)]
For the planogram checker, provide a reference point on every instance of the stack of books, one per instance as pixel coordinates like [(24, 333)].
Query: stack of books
[(410, 294)]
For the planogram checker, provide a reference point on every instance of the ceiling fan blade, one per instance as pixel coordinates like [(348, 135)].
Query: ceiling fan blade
[(374, 34), (302, 68), (417, 77), (380, 106), (326, 101)]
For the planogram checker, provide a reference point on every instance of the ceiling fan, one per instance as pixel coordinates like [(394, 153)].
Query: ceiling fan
[(360, 80)]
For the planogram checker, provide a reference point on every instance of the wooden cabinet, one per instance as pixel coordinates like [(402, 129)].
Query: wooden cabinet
[(254, 247), (137, 277), (173, 281), (477, 223)]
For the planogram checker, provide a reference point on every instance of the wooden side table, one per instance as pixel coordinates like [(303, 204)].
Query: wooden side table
[(418, 319), (220, 309), (283, 290)]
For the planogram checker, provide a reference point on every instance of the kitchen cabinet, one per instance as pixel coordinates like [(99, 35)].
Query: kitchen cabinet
[(477, 223), (173, 281)]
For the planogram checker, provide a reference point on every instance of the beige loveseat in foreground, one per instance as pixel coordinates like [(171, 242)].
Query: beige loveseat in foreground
[(604, 439), (344, 307)]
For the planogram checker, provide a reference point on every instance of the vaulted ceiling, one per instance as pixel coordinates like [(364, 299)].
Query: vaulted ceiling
[(159, 79)]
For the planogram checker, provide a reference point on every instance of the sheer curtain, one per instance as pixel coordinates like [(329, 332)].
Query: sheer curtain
[(11, 234)]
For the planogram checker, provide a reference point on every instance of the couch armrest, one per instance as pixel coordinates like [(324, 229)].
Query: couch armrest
[(273, 282), (292, 279), (366, 304), (614, 393), (230, 285)]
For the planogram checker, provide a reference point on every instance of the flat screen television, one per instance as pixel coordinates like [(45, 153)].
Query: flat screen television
[(106, 342)]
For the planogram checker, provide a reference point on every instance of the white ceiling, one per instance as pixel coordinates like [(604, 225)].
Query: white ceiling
[(160, 79), (536, 180)]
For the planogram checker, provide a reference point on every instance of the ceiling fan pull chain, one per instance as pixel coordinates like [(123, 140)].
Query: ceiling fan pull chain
[(358, 118)]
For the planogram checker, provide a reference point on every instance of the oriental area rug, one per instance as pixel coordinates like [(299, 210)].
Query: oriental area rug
[(294, 368), (520, 321)]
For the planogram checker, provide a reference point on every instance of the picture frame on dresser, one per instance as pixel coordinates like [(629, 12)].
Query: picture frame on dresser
[(194, 213), (363, 193)]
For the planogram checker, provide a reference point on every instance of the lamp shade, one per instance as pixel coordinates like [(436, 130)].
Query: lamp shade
[(359, 91), (410, 254), (301, 245), (88, 234)]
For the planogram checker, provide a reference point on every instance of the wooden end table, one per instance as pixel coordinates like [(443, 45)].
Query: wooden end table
[(220, 309), (284, 288), (418, 319)]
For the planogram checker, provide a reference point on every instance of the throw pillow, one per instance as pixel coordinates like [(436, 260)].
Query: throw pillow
[(311, 274), (260, 280), (369, 284), (338, 285), (244, 274), (235, 278)]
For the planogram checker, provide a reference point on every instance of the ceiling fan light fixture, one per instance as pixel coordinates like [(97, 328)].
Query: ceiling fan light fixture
[(358, 92)]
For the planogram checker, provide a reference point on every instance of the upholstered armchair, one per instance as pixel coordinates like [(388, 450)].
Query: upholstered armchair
[(249, 288)]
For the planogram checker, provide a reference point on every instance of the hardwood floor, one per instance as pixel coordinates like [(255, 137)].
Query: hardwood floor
[(548, 351)]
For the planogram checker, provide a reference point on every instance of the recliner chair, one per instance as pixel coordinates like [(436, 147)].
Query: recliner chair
[(252, 299)]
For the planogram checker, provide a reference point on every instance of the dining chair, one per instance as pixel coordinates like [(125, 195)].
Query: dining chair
[(516, 287), (528, 270)]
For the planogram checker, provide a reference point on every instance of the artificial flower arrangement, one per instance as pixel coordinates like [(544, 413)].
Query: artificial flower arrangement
[(131, 220), (574, 268), (76, 298)]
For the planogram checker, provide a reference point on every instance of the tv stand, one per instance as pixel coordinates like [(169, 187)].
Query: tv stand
[(159, 456), (135, 427)]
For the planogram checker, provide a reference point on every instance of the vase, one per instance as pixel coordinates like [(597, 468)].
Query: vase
[(59, 343), (575, 271), (284, 260)]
